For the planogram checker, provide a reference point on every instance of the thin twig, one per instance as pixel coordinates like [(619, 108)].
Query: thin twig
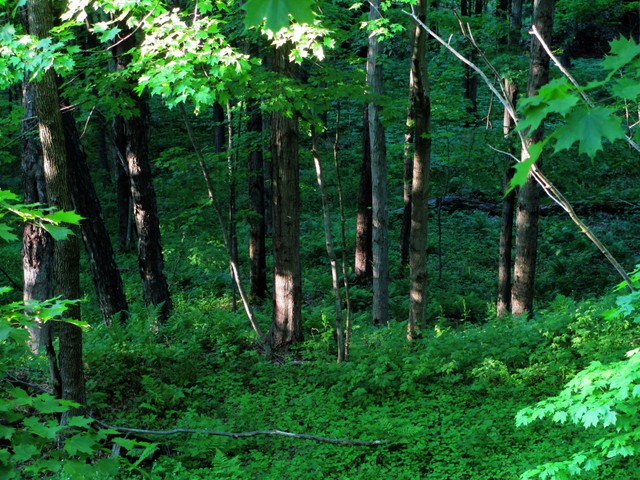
[(255, 433)]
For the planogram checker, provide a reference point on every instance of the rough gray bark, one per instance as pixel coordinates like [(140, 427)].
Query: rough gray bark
[(419, 79), (380, 249), (66, 260), (286, 326), (524, 269)]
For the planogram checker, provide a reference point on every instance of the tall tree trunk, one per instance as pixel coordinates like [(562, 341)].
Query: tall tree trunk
[(66, 260), (145, 210), (232, 160), (364, 221), (405, 229), (37, 244), (257, 247), (380, 311), (286, 327), (503, 305), (333, 260), (104, 270), (419, 82), (524, 270)]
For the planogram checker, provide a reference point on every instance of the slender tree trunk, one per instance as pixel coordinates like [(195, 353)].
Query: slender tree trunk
[(232, 159), (405, 230), (106, 276), (257, 246), (380, 311), (503, 305), (123, 190), (343, 239), (145, 210), (419, 81), (286, 327), (333, 261), (364, 222), (524, 271), (66, 260), (515, 22)]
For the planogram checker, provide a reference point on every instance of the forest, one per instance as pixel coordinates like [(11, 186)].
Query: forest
[(307, 239)]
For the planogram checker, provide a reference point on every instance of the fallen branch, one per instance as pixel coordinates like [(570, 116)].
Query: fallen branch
[(255, 433)]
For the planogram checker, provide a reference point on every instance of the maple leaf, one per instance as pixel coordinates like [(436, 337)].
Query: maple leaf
[(276, 13), (588, 127), (622, 51)]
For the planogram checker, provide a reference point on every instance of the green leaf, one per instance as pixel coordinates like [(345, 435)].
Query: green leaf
[(81, 442), (622, 51), (588, 127), (276, 13), (46, 403), (57, 232), (6, 233), (40, 429), (64, 216), (522, 168), (23, 452), (6, 432), (626, 88)]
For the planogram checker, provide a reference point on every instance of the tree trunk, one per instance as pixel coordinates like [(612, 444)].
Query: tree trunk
[(257, 247), (145, 210), (286, 327), (515, 22), (528, 199), (503, 305), (66, 260), (37, 244), (380, 311), (419, 82), (123, 190), (104, 270), (364, 222), (333, 261), (405, 229)]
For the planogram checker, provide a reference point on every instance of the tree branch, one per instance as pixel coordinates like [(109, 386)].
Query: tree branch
[(255, 433)]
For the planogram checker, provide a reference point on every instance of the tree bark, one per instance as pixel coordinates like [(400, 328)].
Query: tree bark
[(257, 245), (37, 244), (364, 221), (380, 311), (524, 270), (145, 210), (104, 270), (66, 260), (503, 305), (419, 79), (286, 326)]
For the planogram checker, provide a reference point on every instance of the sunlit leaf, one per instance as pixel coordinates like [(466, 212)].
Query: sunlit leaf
[(622, 51)]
